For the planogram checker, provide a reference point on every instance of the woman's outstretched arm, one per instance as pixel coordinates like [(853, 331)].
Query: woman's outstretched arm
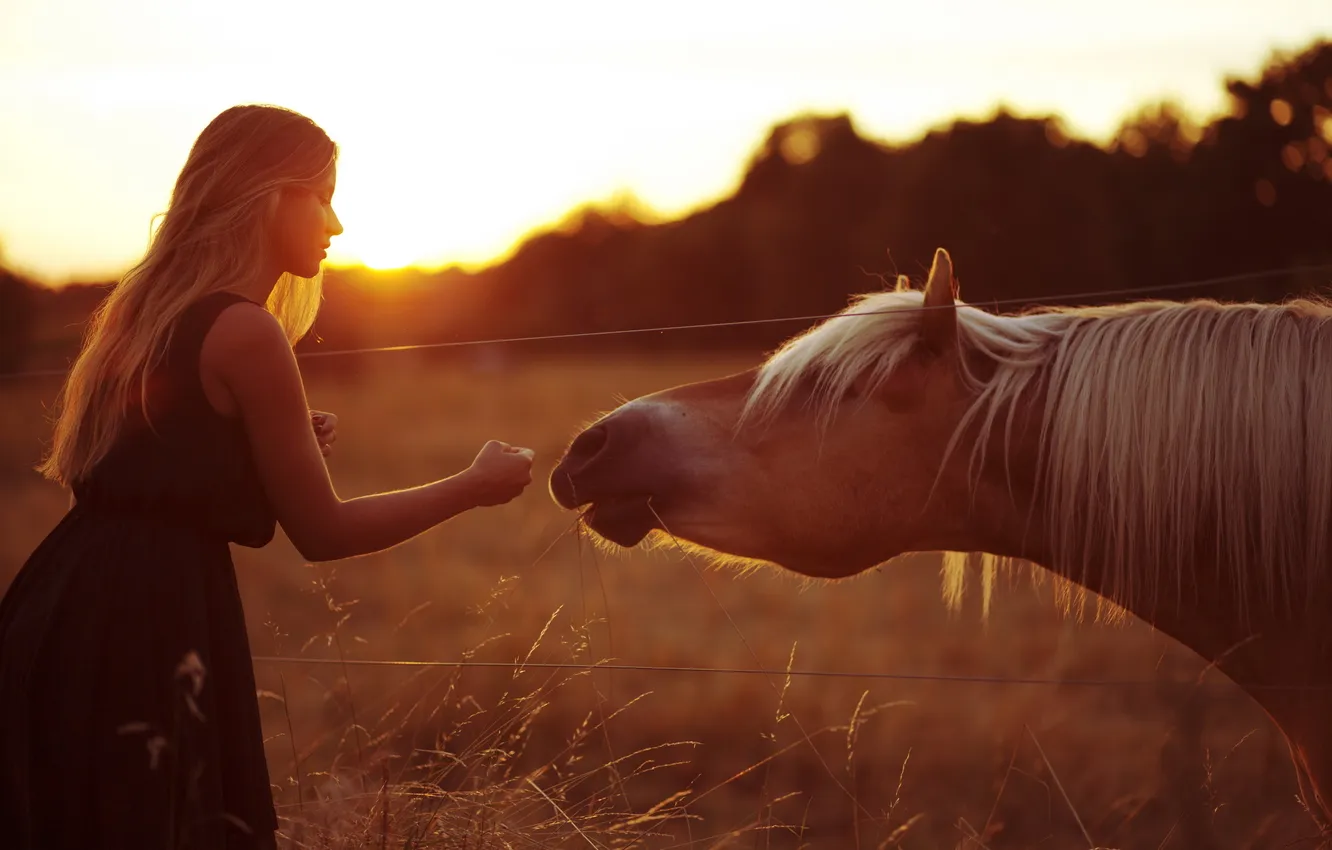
[(246, 358)]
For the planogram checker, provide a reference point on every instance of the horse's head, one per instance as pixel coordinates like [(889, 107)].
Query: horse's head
[(830, 458)]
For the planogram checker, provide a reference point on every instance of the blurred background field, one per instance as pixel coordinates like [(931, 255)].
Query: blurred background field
[(597, 174), (929, 764)]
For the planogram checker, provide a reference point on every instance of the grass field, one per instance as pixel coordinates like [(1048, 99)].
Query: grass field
[(542, 757)]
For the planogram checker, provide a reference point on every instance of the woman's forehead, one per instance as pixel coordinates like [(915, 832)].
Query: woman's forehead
[(325, 181)]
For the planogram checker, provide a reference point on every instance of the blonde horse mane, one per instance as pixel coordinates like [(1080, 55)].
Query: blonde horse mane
[(1180, 442)]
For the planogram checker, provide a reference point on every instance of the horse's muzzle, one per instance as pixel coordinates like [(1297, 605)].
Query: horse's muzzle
[(619, 470)]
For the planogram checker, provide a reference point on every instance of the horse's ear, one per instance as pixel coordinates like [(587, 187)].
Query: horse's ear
[(939, 318)]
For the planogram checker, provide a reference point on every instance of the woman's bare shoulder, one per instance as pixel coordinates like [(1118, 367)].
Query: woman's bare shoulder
[(245, 358), (246, 326)]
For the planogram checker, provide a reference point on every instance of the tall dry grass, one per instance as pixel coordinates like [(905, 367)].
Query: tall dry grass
[(544, 756)]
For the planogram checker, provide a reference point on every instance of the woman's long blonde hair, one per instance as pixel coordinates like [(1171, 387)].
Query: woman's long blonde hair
[(211, 238)]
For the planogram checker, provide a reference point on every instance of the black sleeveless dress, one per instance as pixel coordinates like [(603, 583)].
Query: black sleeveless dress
[(128, 710)]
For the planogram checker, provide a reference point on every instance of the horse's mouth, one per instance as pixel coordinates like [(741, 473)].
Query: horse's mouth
[(623, 521)]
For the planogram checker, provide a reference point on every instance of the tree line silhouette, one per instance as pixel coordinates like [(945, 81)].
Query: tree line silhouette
[(823, 212)]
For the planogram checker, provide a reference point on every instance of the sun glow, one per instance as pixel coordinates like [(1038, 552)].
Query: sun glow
[(442, 213), (444, 196), (465, 127)]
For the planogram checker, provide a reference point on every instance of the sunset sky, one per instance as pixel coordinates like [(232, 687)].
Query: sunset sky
[(464, 125)]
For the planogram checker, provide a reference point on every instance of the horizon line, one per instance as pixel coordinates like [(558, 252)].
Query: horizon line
[(1000, 109)]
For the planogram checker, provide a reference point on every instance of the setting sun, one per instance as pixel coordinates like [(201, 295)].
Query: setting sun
[(403, 204)]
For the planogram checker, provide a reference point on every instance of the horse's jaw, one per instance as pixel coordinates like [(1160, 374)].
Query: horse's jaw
[(624, 521)]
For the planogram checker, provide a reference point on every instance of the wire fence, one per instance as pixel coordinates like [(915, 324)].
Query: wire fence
[(1034, 300), (804, 673)]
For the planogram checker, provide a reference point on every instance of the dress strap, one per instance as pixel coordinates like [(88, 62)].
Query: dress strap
[(198, 318), (187, 340)]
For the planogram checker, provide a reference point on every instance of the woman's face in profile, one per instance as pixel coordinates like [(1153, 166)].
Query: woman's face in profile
[(304, 225)]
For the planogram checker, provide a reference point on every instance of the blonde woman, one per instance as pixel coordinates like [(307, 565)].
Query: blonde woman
[(128, 715)]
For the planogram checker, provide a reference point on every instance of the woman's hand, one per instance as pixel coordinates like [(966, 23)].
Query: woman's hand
[(325, 429), (499, 473)]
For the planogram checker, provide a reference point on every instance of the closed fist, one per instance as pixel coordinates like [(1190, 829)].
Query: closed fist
[(500, 473), (325, 429)]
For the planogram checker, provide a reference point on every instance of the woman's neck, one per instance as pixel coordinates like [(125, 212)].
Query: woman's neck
[(261, 285)]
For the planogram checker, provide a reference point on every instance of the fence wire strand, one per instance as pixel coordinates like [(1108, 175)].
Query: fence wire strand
[(738, 323), (804, 673)]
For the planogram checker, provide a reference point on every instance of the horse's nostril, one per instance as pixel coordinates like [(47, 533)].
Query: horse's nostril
[(587, 445)]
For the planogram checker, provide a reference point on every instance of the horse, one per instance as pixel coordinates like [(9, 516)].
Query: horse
[(1171, 460)]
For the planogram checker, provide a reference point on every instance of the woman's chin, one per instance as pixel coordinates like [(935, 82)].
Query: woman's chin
[(308, 271)]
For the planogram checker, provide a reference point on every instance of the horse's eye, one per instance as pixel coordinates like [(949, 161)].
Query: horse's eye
[(859, 387)]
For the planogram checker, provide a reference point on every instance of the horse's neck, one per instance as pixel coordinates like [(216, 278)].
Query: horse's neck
[(1247, 640), (1183, 597), (1278, 650)]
